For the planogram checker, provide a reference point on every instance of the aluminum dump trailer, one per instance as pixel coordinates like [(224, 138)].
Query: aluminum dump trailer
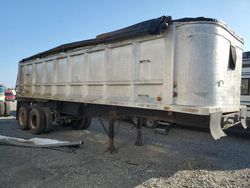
[(186, 71)]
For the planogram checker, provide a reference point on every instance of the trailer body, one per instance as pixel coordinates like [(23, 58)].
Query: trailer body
[(191, 67)]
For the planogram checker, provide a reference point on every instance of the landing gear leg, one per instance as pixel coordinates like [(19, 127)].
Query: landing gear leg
[(138, 141), (111, 148)]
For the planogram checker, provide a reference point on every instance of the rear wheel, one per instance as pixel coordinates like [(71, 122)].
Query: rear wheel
[(37, 120), (23, 117), (48, 120), (7, 109), (2, 109), (84, 123)]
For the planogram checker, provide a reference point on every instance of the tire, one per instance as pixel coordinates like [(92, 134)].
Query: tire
[(7, 109), (2, 109), (23, 117), (84, 123), (37, 120), (48, 120), (149, 123)]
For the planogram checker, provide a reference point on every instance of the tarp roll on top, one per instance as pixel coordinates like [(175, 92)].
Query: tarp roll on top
[(149, 27)]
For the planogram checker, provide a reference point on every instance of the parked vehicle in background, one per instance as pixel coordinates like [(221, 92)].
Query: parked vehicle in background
[(2, 90), (9, 95), (4, 105), (245, 82)]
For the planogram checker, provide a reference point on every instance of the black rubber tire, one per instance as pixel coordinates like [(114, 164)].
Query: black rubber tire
[(48, 120), (37, 120), (7, 109), (84, 123), (23, 117), (2, 109)]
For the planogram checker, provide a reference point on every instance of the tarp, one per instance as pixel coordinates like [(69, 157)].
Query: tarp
[(36, 142), (149, 27)]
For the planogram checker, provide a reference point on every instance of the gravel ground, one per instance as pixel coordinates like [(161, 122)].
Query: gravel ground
[(183, 158)]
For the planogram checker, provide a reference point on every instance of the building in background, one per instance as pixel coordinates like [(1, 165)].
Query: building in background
[(245, 82)]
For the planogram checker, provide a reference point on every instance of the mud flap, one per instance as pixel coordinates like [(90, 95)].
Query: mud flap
[(215, 125), (243, 116)]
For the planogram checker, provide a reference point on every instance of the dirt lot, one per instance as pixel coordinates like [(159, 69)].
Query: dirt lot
[(183, 158)]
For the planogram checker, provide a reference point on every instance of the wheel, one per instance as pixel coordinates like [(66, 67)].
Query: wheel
[(7, 109), (149, 123), (23, 117), (37, 120), (84, 123), (2, 109), (48, 120)]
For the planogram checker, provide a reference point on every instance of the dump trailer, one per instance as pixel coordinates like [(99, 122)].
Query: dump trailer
[(184, 71)]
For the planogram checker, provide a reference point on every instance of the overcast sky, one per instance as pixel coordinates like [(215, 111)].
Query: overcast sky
[(31, 26)]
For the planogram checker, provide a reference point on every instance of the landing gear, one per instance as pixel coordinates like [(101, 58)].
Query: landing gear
[(111, 134), (111, 148), (138, 141)]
